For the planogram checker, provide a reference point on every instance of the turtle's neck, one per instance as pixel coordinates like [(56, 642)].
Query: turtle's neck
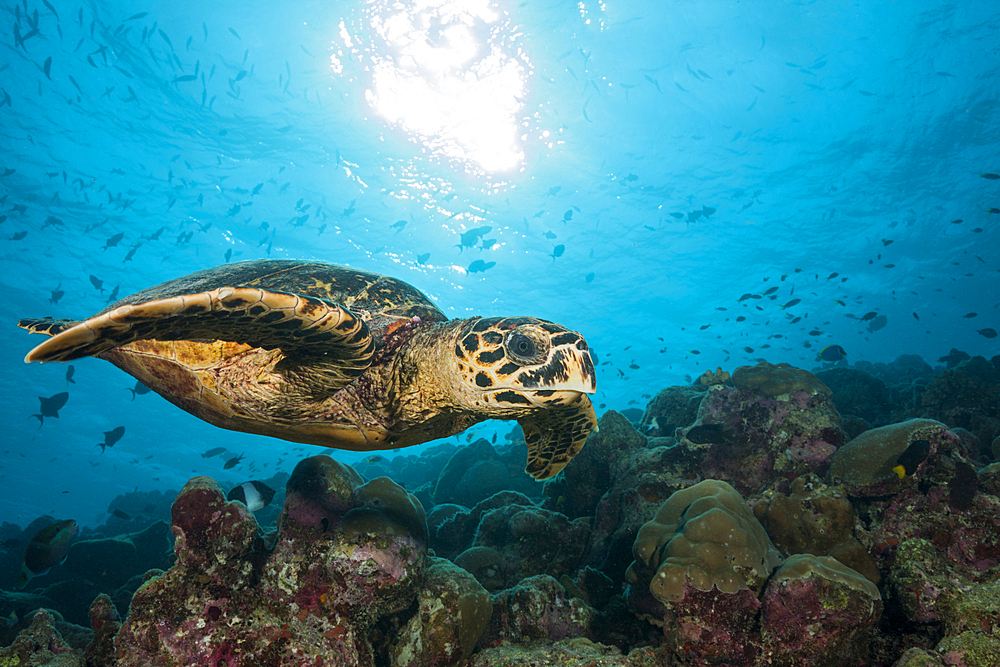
[(422, 375)]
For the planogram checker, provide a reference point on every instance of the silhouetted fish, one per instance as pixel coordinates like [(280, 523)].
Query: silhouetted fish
[(214, 451), (138, 390), (51, 406), (233, 462), (479, 266), (877, 323), (954, 358), (831, 353), (705, 434), (987, 333), (962, 486), (111, 437)]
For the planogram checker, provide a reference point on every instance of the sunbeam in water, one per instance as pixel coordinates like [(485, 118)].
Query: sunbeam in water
[(449, 73)]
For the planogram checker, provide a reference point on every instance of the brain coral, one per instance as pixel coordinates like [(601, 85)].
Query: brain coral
[(774, 381), (705, 535), (865, 464)]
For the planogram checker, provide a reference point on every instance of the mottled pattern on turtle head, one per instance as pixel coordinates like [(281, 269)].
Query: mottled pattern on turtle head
[(523, 362)]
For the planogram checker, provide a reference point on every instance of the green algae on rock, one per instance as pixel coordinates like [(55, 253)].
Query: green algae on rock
[(777, 380), (865, 465), (453, 612)]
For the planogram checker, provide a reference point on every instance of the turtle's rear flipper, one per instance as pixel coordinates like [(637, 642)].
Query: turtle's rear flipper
[(317, 331), (46, 325), (555, 435)]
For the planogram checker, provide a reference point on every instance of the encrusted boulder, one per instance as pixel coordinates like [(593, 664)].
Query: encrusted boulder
[(532, 541), (777, 421), (699, 567), (538, 608), (672, 408), (346, 554), (816, 611), (41, 644), (814, 519), (453, 612)]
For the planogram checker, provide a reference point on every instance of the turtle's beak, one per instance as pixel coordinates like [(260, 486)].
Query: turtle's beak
[(568, 368)]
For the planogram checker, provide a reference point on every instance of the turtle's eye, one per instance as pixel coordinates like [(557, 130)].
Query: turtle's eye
[(525, 348)]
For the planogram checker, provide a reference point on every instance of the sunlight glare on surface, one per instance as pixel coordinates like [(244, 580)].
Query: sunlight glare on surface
[(449, 73)]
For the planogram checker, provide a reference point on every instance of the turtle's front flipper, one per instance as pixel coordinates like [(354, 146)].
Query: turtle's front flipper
[(318, 332), (46, 325), (555, 435)]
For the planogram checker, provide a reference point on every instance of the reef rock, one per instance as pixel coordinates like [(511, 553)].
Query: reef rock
[(672, 408), (346, 554), (814, 519), (865, 465), (778, 421), (453, 612), (857, 393), (699, 567), (578, 652), (816, 611), (41, 644), (538, 608)]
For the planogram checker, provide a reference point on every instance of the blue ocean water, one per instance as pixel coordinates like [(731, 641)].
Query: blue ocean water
[(628, 169)]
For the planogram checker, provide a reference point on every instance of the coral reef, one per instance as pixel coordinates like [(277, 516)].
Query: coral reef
[(641, 552), (814, 519), (779, 421), (865, 465), (816, 611), (346, 555)]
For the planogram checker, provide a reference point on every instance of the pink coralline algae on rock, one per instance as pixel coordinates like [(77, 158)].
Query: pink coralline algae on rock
[(815, 611), (777, 422), (703, 570), (346, 554)]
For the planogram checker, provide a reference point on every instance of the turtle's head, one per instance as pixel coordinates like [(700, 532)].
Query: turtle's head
[(511, 365)]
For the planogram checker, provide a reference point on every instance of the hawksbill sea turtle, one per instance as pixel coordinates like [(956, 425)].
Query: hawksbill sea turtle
[(334, 356)]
